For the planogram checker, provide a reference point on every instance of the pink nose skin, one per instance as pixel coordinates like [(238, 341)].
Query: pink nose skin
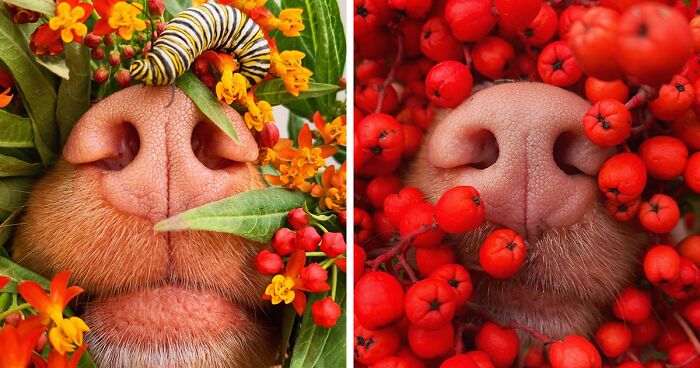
[(521, 145), (157, 154)]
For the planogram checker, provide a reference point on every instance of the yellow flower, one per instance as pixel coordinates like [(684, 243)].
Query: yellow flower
[(334, 132), (281, 289), (297, 81), (69, 20), (124, 17), (290, 22), (67, 335), (199, 2), (246, 5), (287, 61), (258, 115), (269, 155), (232, 87), (332, 190)]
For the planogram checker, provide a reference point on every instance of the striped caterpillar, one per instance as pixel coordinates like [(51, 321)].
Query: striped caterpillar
[(201, 28)]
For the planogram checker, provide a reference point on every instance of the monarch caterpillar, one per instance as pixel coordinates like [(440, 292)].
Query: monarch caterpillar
[(201, 28)]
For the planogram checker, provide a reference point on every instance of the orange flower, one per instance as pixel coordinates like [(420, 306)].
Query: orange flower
[(302, 163), (332, 190), (17, 343), (45, 42), (118, 16), (333, 132), (57, 360), (51, 305), (270, 155), (5, 98), (69, 18), (290, 286)]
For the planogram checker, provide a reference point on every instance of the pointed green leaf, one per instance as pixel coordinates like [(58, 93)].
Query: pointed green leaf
[(46, 7), (274, 92), (74, 93), (10, 166), (15, 131), (255, 214), (294, 125), (330, 56), (206, 102), (7, 227), (13, 192), (36, 89)]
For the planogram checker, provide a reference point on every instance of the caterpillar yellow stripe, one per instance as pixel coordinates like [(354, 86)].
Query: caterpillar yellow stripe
[(200, 28)]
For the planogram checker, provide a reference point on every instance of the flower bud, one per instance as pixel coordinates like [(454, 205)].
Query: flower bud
[(146, 48), (97, 53), (283, 241), (297, 218), (268, 262), (13, 319), (307, 239), (333, 244), (22, 15), (123, 78), (40, 343), (114, 58), (326, 312), (127, 52), (269, 136), (92, 41), (109, 40), (314, 278), (100, 75), (161, 27)]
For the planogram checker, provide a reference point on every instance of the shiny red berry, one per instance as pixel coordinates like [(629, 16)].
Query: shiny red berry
[(607, 123), (459, 210), (659, 214), (632, 305), (574, 352), (448, 83), (430, 303), (502, 253), (502, 345), (379, 299)]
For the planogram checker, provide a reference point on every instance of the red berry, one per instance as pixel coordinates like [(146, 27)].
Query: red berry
[(396, 205), (283, 241), (690, 248), (502, 253), (614, 338), (379, 299), (370, 346), (438, 43), (687, 282), (598, 89), (502, 345), (392, 362), (413, 139), (448, 83), (574, 352), (692, 173), (379, 141), (383, 228), (333, 244), (297, 218), (691, 312), (623, 211), (268, 262), (428, 260), (459, 361), (675, 98), (664, 157), (632, 305), (307, 239), (429, 344), (412, 8), (534, 358), (517, 14), (458, 278), (593, 40), (557, 66), (687, 128), (470, 20), (684, 355), (542, 29), (607, 123), (568, 17), (363, 226), (370, 15), (459, 210), (430, 303), (420, 219), (481, 359), (622, 177), (492, 56), (659, 214), (358, 262), (325, 312), (314, 278), (653, 42), (367, 96), (381, 187), (645, 332)]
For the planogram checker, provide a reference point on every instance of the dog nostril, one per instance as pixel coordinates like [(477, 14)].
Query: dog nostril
[(564, 153), (127, 144), (206, 146)]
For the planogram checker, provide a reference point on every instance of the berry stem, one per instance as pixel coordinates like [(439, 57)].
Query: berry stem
[(334, 282), (467, 56), (407, 268), (487, 315), (14, 310), (390, 77), (644, 95), (459, 344), (688, 331), (401, 246)]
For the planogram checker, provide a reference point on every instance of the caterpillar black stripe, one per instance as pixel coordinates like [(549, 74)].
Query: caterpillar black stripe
[(200, 28)]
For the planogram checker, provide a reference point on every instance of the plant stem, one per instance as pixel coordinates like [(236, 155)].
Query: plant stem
[(688, 331), (315, 254), (334, 282), (487, 315), (390, 77), (14, 310), (401, 245)]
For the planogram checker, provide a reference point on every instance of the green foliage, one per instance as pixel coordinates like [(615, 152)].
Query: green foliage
[(73, 93), (255, 214), (274, 92)]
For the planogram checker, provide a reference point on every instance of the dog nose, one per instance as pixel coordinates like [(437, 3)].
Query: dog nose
[(523, 147), (154, 154)]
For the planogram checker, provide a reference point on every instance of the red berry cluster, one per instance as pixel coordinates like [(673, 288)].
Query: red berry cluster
[(636, 61)]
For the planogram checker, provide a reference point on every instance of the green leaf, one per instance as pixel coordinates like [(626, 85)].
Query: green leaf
[(340, 155), (306, 42), (8, 226), (289, 316), (10, 166), (294, 125), (174, 7), (15, 131), (74, 93), (36, 89), (206, 102), (55, 65), (330, 56), (17, 273), (13, 192), (274, 92), (318, 346), (255, 214), (46, 7)]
